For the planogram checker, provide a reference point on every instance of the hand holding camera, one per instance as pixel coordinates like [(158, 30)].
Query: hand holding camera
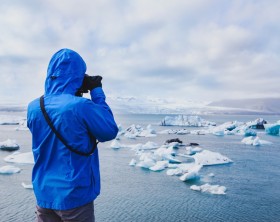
[(89, 83)]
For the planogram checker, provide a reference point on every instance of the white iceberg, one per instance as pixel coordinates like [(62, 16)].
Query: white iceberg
[(183, 132), (273, 129), (146, 163), (17, 157), (147, 146), (192, 173), (9, 145), (207, 158), (184, 120), (193, 150), (10, 120), (160, 165), (168, 131), (213, 189), (116, 144), (22, 126), (255, 141), (8, 169), (132, 162), (27, 186)]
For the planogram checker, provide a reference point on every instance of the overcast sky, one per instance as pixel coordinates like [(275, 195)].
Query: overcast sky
[(181, 49)]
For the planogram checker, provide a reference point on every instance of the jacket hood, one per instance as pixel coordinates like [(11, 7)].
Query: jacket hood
[(65, 73)]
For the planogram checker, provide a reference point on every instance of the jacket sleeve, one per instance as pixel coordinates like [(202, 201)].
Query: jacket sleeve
[(98, 117)]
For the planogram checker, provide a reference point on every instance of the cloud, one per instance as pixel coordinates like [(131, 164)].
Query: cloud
[(168, 49)]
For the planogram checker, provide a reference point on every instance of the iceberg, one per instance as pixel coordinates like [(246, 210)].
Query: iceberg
[(213, 189), (207, 158), (132, 162), (17, 157), (183, 120), (255, 141), (9, 145), (10, 120), (27, 186), (193, 150), (22, 126), (273, 129), (8, 169), (192, 173), (160, 165), (116, 144)]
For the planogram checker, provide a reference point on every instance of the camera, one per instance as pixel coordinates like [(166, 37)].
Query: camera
[(85, 85)]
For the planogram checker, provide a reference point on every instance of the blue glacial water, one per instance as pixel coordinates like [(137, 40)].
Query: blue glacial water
[(134, 194)]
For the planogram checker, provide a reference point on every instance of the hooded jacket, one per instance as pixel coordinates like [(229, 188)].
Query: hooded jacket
[(62, 179)]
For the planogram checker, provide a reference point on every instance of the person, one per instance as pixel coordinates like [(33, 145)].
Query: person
[(65, 176)]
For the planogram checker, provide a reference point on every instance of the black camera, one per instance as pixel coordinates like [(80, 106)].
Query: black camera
[(89, 82)]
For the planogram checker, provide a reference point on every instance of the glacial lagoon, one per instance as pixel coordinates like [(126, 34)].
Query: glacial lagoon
[(133, 193)]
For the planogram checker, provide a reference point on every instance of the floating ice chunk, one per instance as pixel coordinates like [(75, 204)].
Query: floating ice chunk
[(10, 120), (183, 132), (9, 169), (27, 186), (211, 175), (250, 132), (192, 173), (150, 145), (150, 130), (272, 129), (146, 163), (207, 157), (255, 141), (132, 162), (116, 144), (9, 145), (213, 189), (160, 165), (199, 132), (168, 131), (17, 157), (219, 132), (22, 126), (175, 172), (183, 120), (193, 150)]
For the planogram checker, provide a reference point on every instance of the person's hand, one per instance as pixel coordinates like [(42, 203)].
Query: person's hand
[(91, 82)]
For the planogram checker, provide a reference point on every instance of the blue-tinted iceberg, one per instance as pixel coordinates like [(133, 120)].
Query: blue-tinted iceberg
[(273, 129)]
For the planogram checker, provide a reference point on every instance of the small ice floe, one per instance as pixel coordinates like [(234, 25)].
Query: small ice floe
[(183, 169), (17, 157), (207, 158), (132, 162), (148, 132), (168, 131), (116, 144), (183, 132), (192, 173), (207, 188), (147, 146), (273, 129), (146, 163), (27, 186), (10, 120), (255, 141), (199, 132), (8, 169), (22, 126), (160, 165), (211, 175), (184, 120), (190, 150), (9, 145)]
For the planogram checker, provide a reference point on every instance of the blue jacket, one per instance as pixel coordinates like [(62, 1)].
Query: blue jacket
[(62, 179)]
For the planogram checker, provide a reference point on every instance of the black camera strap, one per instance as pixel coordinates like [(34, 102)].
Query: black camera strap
[(42, 105)]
